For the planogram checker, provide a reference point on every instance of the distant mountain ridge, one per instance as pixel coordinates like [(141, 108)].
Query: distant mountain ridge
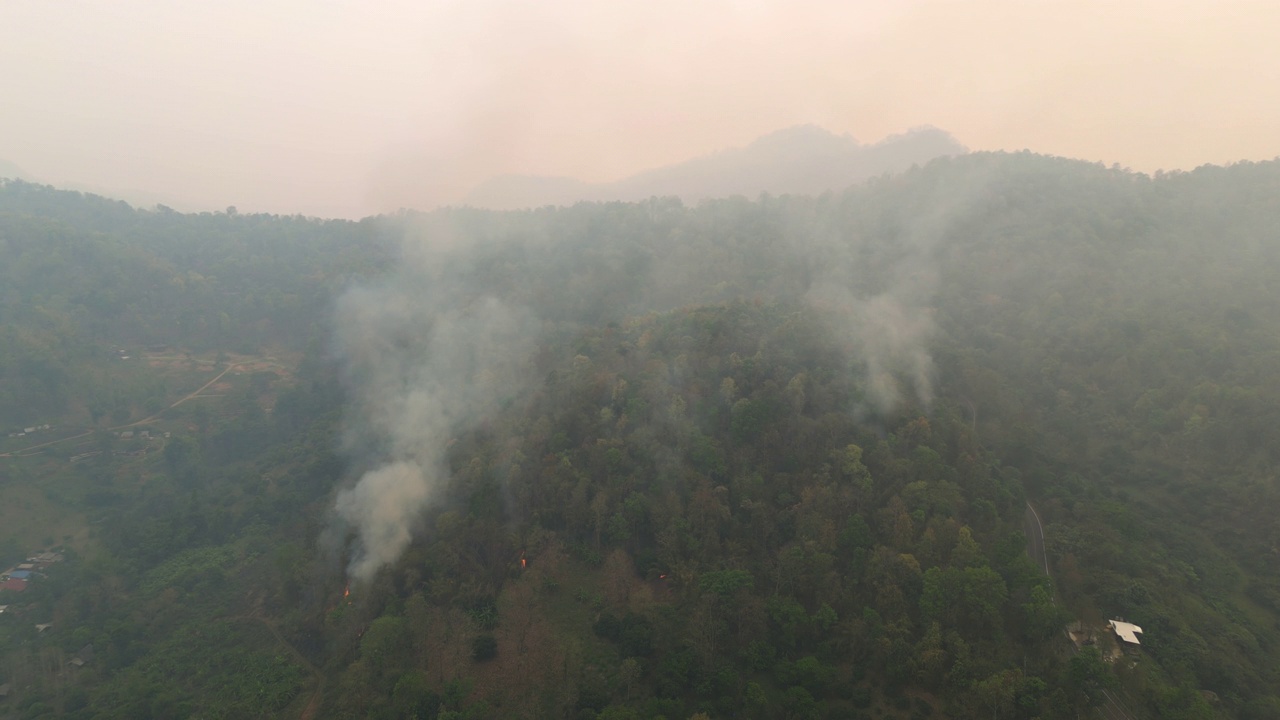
[(13, 172), (133, 196), (801, 160)]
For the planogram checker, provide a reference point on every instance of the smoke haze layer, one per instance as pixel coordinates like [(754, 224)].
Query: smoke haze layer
[(398, 104)]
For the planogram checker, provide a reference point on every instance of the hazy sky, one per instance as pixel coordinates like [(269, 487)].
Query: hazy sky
[(343, 108)]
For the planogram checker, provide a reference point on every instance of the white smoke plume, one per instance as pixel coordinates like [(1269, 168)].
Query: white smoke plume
[(888, 320), (422, 363), (889, 336)]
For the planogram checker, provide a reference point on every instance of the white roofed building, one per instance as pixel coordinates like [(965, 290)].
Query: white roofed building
[(1127, 632)]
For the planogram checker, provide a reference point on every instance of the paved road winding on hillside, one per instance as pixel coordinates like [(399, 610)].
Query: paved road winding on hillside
[(1035, 539), (1112, 709)]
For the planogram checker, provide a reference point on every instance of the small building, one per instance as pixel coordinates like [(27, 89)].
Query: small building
[(14, 584), (126, 435), (43, 626), (1127, 632), (26, 566), (3, 608), (84, 656), (20, 574)]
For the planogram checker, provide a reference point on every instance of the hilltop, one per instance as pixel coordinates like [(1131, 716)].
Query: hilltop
[(802, 160)]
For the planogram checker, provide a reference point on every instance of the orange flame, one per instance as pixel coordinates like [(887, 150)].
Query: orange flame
[(346, 591), (523, 563)]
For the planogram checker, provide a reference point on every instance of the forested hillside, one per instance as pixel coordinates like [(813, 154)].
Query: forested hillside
[(754, 458), (84, 276)]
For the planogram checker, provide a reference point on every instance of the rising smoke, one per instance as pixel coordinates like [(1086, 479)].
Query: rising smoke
[(424, 360), (448, 338)]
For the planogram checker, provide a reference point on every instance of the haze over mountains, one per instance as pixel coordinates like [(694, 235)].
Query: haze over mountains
[(801, 160), (753, 458), (134, 196), (9, 170)]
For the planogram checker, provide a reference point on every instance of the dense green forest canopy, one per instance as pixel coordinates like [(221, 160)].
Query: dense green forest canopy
[(758, 458)]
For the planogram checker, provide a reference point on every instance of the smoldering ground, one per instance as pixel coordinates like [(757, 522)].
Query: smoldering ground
[(449, 337)]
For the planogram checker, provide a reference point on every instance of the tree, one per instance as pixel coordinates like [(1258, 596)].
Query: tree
[(484, 648), (799, 704), (984, 596), (1184, 702), (931, 658), (724, 583), (756, 701), (995, 693), (629, 674), (967, 554), (849, 464), (182, 456), (412, 698), (1042, 618), (1087, 677)]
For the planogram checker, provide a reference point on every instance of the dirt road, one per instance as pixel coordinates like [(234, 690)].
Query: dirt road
[(152, 418)]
